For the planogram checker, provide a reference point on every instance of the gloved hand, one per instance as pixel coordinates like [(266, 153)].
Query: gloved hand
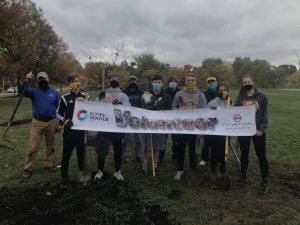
[(69, 123), (117, 102)]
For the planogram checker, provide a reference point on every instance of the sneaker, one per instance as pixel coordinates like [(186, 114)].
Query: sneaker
[(98, 176), (178, 175), (264, 187), (50, 169), (27, 174), (202, 163), (243, 180), (119, 175), (81, 177)]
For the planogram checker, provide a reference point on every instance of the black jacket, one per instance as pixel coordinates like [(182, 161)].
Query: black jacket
[(135, 97), (171, 93), (66, 106), (262, 114), (162, 101), (210, 95)]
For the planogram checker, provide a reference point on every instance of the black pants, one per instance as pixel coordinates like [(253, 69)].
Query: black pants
[(182, 141), (260, 149), (217, 152), (206, 148), (174, 148), (72, 139), (103, 142)]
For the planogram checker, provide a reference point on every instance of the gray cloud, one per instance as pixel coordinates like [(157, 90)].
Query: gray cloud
[(177, 31)]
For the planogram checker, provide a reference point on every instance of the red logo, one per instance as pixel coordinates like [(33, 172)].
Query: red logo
[(237, 117)]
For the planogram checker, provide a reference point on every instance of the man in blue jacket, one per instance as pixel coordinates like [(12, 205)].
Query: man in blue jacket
[(44, 101)]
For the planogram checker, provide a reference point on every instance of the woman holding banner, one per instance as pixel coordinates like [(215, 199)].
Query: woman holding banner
[(247, 96), (218, 142)]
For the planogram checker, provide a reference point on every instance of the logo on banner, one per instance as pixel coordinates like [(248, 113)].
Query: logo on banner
[(237, 117), (82, 115)]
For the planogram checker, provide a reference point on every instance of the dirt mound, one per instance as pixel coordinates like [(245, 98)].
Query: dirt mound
[(108, 203)]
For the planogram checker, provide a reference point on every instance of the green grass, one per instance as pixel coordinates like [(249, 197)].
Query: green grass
[(200, 202)]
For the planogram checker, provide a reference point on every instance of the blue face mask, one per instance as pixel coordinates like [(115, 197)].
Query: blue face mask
[(172, 85), (156, 87), (212, 86)]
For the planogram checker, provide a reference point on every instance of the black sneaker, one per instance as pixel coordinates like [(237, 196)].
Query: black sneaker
[(264, 187), (243, 180)]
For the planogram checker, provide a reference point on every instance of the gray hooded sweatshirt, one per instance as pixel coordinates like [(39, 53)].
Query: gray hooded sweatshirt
[(262, 114), (115, 93), (189, 100)]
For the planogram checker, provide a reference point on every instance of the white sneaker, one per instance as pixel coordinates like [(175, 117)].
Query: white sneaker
[(81, 177), (178, 175), (119, 175), (98, 176), (202, 163)]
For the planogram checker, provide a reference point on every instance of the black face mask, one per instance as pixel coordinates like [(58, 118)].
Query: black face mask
[(114, 83), (248, 87), (43, 84), (132, 85)]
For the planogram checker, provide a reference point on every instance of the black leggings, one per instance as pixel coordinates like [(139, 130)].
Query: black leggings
[(182, 141), (72, 139), (217, 152), (260, 149)]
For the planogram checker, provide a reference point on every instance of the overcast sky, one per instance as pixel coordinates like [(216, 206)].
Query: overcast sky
[(178, 32)]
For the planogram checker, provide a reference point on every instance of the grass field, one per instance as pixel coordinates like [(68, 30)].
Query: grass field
[(141, 200)]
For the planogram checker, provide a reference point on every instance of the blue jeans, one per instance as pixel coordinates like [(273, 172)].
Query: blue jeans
[(137, 145)]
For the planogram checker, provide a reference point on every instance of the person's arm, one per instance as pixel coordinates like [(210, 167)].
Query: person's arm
[(62, 108), (29, 91), (202, 100), (264, 107), (175, 103), (169, 102)]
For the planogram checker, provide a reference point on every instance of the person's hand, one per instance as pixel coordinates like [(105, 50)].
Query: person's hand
[(29, 76), (225, 94), (69, 123), (80, 98), (117, 102), (58, 128), (259, 133)]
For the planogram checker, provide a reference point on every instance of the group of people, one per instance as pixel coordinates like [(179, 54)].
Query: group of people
[(49, 107)]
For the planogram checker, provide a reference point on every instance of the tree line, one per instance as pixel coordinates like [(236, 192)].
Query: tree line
[(24, 31)]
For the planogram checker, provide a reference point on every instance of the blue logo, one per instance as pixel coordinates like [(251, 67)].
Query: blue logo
[(82, 115)]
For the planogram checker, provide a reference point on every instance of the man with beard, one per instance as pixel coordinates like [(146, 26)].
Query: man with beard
[(186, 99), (135, 97), (44, 104)]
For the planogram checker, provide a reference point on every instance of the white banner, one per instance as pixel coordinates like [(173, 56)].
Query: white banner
[(97, 116)]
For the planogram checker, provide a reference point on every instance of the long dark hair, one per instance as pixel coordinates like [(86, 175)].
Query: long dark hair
[(242, 91)]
